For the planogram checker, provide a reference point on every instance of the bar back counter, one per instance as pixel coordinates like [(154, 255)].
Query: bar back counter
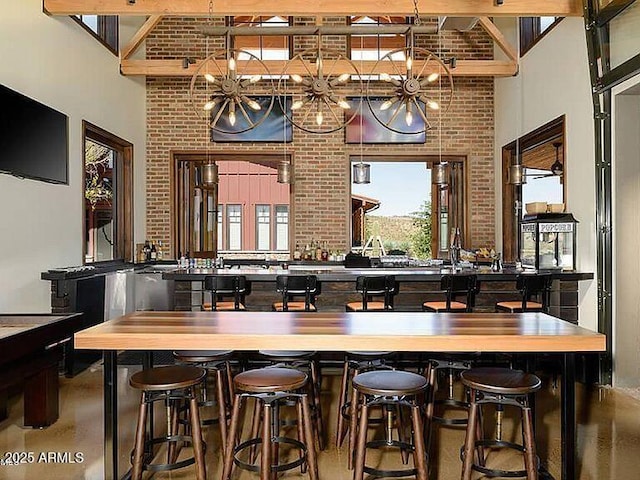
[(416, 285)]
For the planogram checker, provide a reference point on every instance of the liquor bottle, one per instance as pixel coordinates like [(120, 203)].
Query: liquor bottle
[(307, 252), (325, 252), (153, 253), (159, 252), (147, 251), (318, 252), (297, 254)]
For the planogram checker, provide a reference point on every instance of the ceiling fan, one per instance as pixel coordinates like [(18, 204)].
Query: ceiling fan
[(557, 169)]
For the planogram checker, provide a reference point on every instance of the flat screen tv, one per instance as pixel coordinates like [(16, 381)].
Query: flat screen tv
[(33, 139)]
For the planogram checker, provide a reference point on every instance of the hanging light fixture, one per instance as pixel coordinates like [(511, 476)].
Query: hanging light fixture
[(361, 173), (209, 175), (284, 172), (439, 174), (556, 167), (320, 98), (516, 174)]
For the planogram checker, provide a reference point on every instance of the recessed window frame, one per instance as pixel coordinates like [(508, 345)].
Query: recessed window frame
[(276, 222), (108, 30), (122, 187), (259, 220), (530, 31)]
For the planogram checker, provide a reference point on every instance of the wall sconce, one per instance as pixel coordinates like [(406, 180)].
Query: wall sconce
[(284, 172), (209, 175), (439, 174), (361, 173)]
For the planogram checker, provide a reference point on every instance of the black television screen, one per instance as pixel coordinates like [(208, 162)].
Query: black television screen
[(33, 139)]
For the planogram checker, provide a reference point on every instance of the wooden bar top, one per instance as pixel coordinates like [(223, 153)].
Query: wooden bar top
[(339, 331)]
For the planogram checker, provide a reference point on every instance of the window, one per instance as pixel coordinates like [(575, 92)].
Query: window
[(402, 207), (532, 29), (234, 227), (269, 47), (263, 221), (282, 227), (375, 46), (102, 27), (220, 230), (108, 197)]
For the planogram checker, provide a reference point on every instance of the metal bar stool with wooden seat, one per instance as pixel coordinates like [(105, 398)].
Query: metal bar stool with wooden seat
[(270, 387), (529, 285), (171, 384), (217, 363), (292, 287), (501, 387), (454, 286), (394, 390), (382, 287), (221, 288)]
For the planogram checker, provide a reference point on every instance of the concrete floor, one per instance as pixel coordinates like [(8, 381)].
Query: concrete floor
[(608, 436)]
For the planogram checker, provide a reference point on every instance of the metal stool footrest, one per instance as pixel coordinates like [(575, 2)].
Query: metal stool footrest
[(496, 472), (274, 468), (453, 404), (378, 444), (164, 467)]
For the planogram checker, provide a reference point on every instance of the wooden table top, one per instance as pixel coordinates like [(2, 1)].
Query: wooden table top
[(336, 331)]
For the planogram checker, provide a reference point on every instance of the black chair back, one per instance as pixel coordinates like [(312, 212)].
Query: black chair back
[(534, 286), (291, 286), (378, 286), (455, 285), (222, 286)]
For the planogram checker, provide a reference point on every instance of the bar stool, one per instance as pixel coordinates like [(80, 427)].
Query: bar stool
[(224, 286), (383, 287), (454, 286), (270, 387), (296, 286), (393, 389), (170, 384), (529, 285), (501, 387), (217, 364)]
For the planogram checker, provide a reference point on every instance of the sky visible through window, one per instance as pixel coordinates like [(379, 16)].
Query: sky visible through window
[(401, 187)]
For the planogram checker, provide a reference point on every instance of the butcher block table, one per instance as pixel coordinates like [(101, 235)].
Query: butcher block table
[(398, 331)]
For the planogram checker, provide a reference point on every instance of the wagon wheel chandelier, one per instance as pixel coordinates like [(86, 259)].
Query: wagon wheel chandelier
[(225, 90), (422, 85), (320, 82)]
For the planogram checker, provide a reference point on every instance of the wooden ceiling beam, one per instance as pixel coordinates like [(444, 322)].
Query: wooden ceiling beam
[(140, 35), (458, 8), (174, 68), (498, 38)]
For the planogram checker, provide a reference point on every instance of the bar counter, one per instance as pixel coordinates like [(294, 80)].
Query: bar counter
[(416, 285)]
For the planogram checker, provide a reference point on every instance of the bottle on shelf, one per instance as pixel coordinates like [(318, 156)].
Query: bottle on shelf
[(325, 252), (318, 252), (147, 251), (153, 255), (159, 252), (307, 252), (454, 249), (297, 254)]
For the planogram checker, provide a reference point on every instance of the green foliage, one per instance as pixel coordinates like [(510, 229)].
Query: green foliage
[(421, 239)]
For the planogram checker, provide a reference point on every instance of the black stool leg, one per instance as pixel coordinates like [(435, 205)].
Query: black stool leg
[(138, 456)]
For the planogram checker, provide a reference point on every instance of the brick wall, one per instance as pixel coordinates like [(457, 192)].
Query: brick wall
[(321, 189)]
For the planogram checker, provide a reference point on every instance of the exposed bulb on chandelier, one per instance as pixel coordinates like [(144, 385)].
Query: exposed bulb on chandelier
[(342, 103), (232, 64), (254, 105), (344, 77), (433, 105), (296, 78), (232, 118), (386, 104), (297, 105), (385, 77), (255, 79), (432, 77), (319, 118), (409, 63), (209, 105), (209, 78), (408, 118)]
